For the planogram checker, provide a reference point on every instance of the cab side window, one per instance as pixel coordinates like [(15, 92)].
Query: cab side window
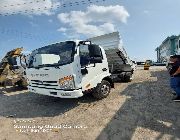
[(84, 55)]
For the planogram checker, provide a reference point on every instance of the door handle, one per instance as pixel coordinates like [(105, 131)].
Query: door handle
[(104, 69)]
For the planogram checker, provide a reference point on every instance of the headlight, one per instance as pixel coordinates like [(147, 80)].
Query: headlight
[(67, 82)]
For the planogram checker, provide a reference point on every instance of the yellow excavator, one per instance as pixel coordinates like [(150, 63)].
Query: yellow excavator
[(12, 69)]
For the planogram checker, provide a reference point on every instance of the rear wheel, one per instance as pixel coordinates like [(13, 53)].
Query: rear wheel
[(127, 78), (102, 90)]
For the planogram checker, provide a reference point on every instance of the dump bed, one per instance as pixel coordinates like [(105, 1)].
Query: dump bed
[(117, 57)]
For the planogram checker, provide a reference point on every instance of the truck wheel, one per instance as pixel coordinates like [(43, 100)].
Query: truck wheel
[(102, 90), (127, 78)]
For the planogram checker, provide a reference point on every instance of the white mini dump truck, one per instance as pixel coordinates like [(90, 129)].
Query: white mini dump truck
[(72, 68)]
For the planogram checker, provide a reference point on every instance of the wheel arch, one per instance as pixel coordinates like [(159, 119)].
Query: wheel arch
[(110, 80)]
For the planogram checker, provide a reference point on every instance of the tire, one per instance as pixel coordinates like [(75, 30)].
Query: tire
[(102, 90), (127, 78)]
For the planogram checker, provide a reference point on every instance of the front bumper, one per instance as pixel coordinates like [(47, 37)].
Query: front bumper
[(57, 93)]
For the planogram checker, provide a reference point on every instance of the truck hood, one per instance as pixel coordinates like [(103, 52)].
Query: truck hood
[(51, 75)]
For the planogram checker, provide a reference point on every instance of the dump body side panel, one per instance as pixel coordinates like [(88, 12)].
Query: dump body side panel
[(117, 57)]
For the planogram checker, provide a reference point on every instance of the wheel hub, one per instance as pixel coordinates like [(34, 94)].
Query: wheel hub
[(105, 89)]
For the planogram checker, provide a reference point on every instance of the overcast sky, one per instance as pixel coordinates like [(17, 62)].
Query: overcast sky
[(143, 25)]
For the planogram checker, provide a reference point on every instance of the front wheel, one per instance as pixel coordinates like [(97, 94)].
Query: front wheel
[(102, 90)]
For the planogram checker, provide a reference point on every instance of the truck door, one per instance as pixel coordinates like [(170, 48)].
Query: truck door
[(93, 65)]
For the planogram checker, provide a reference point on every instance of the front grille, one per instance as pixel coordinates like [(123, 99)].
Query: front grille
[(44, 81), (44, 84)]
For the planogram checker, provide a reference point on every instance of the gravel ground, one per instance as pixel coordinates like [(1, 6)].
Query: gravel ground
[(141, 109)]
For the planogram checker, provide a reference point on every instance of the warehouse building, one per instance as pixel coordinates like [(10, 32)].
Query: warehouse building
[(170, 46)]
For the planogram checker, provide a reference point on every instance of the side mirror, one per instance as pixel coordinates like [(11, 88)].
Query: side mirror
[(84, 60), (84, 71), (12, 61)]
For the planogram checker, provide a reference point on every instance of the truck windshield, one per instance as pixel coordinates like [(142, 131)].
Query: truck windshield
[(52, 55)]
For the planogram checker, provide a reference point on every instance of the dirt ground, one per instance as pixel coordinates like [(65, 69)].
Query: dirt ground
[(141, 109)]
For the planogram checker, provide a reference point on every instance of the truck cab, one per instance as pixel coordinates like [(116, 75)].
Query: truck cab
[(69, 69)]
